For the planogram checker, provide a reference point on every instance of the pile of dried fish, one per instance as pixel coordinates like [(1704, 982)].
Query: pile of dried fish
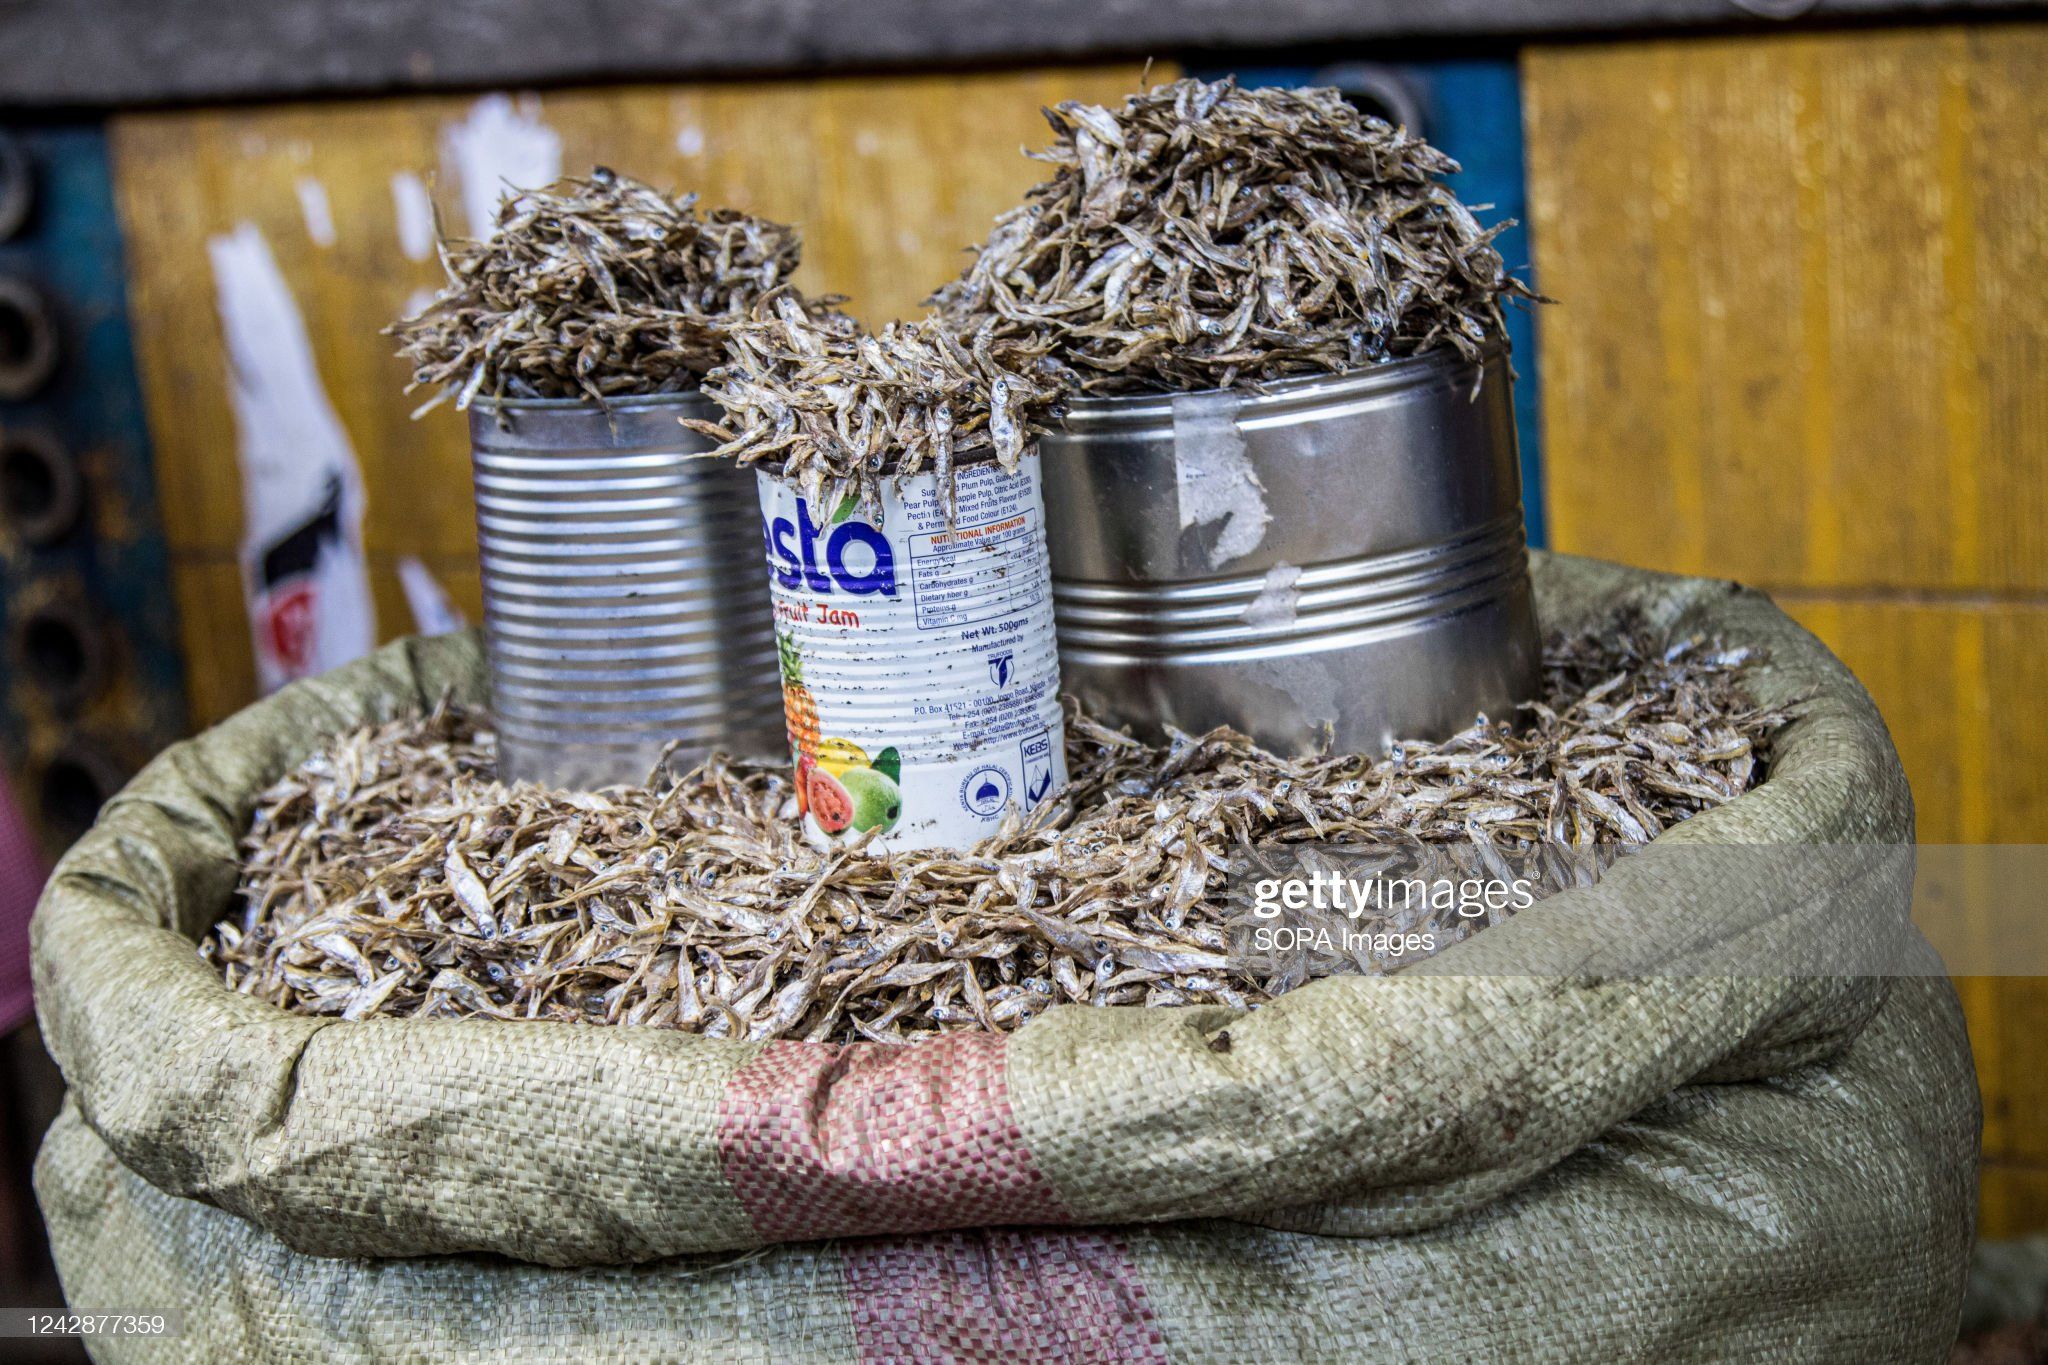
[(590, 288), (1205, 236), (829, 404), (390, 874)]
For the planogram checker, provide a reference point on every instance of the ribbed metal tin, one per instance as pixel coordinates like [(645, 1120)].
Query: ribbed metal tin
[(623, 599), (1334, 561)]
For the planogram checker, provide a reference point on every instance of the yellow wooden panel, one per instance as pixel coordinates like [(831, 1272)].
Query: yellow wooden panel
[(1801, 344), (1611, 277), (1954, 682), (1725, 363), (1924, 666), (1802, 283), (2015, 1010), (2014, 1200), (2008, 168), (890, 178), (214, 630), (182, 179), (457, 578), (220, 670)]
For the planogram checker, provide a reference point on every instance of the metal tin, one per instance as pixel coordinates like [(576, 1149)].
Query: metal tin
[(623, 601), (1329, 562), (921, 674)]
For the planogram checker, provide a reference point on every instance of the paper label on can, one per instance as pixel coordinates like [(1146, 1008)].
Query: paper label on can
[(920, 674)]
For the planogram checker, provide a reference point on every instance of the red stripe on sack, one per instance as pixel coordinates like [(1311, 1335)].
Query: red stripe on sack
[(826, 1141), (999, 1294)]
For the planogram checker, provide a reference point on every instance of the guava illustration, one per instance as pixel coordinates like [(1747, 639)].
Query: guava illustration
[(831, 806), (877, 801)]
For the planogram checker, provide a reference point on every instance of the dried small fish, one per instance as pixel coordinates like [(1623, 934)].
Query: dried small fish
[(589, 288), (807, 392), (1207, 236), (392, 874)]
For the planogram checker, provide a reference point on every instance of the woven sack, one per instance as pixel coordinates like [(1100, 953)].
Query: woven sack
[(1485, 1157)]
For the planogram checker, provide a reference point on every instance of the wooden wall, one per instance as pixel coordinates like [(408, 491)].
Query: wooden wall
[(889, 178), (1804, 343)]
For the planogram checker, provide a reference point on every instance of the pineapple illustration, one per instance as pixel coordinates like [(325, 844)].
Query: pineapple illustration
[(799, 707)]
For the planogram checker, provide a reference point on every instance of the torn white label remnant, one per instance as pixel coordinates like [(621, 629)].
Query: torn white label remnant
[(1213, 474), (432, 609), (503, 145), (1275, 605), (414, 208), (317, 212), (303, 569)]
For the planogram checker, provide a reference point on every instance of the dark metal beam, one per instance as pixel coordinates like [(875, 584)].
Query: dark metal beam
[(121, 52)]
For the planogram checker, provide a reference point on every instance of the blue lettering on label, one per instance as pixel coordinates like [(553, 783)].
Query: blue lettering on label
[(807, 539), (793, 555), (781, 558)]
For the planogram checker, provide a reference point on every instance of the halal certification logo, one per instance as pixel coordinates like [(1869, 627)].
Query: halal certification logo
[(985, 792)]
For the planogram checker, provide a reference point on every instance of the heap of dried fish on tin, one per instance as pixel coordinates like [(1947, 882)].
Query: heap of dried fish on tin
[(390, 874), (1207, 236), (589, 288), (828, 404)]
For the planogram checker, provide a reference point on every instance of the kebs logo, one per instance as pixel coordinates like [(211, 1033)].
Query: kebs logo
[(856, 556), (1036, 751)]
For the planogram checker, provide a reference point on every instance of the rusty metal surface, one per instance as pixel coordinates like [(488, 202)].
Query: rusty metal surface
[(90, 681)]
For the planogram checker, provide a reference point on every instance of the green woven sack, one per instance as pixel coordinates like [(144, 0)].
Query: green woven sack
[(1473, 1159)]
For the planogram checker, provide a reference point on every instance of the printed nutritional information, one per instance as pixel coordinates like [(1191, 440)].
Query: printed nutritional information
[(974, 573)]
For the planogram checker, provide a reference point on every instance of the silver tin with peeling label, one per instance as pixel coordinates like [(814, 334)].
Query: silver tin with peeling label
[(623, 601), (1327, 563)]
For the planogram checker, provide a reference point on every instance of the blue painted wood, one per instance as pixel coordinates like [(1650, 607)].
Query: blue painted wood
[(116, 557), (1472, 109)]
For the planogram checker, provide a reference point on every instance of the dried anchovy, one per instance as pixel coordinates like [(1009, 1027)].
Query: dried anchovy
[(591, 288), (1205, 236), (390, 874), (830, 404)]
